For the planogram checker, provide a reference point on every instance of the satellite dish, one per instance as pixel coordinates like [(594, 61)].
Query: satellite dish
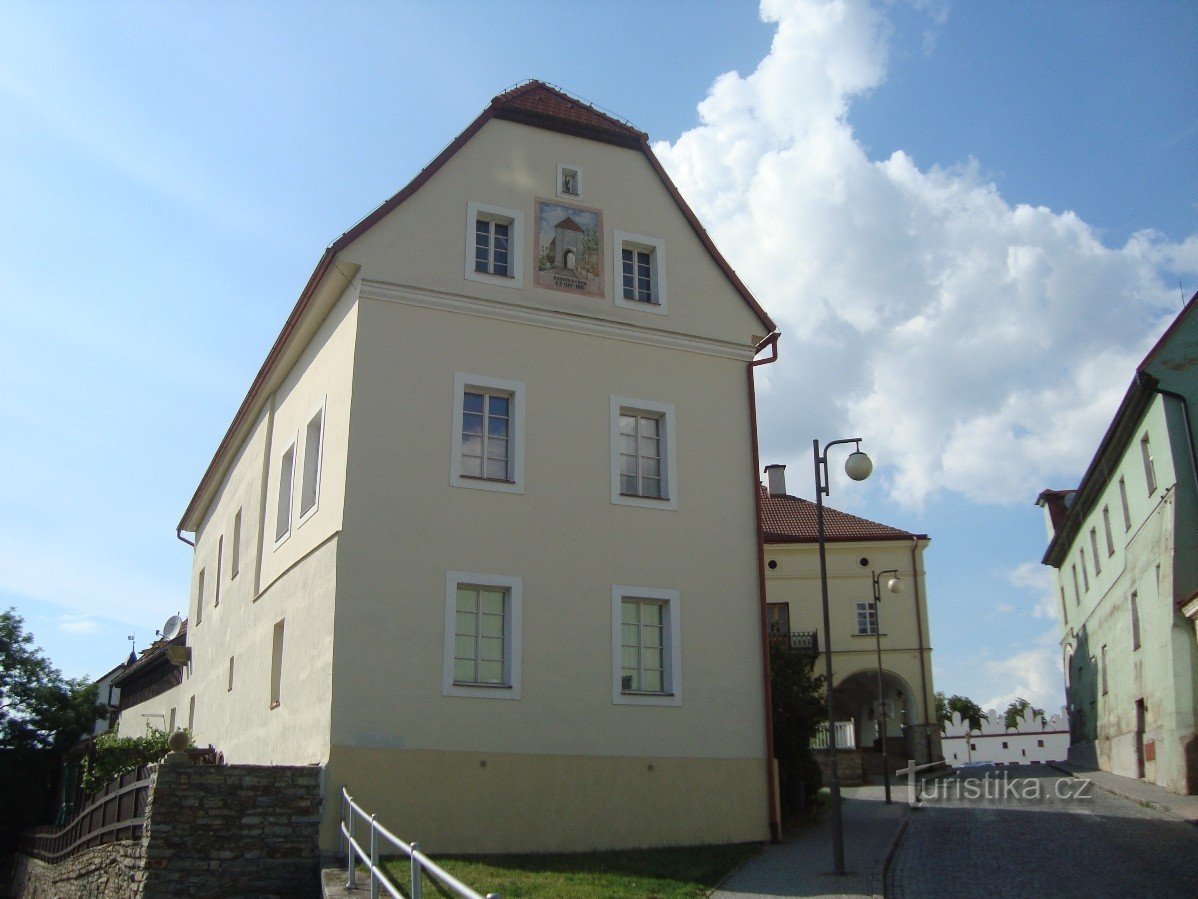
[(171, 629)]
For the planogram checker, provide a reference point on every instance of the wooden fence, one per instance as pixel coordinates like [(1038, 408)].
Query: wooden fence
[(115, 813)]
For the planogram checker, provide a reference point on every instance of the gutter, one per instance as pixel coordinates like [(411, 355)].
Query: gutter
[(771, 779), (923, 673)]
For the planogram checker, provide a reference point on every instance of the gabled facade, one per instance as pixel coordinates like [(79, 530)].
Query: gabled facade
[(481, 539), (856, 549), (1124, 550)]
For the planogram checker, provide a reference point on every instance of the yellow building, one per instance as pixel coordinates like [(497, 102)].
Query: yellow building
[(857, 549), (480, 540)]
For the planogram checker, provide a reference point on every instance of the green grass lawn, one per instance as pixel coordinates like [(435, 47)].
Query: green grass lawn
[(674, 873)]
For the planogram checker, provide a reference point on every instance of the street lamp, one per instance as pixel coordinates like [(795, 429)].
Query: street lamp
[(894, 585), (858, 467)]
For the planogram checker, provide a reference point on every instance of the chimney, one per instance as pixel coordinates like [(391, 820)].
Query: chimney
[(777, 479)]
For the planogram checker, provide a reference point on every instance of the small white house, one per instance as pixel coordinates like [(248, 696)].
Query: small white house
[(1035, 740)]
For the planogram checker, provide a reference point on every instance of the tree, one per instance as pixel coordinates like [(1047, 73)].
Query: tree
[(798, 709), (968, 709), (39, 708), (1014, 713)]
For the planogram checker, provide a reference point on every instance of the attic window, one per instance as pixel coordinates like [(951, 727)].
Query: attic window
[(494, 245), (639, 273)]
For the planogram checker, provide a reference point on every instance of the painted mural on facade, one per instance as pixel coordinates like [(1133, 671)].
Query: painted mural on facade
[(569, 248)]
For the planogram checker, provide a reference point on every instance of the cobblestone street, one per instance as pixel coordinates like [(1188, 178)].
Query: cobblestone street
[(1033, 831)]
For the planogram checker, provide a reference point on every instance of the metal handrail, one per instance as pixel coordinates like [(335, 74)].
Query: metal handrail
[(420, 863)]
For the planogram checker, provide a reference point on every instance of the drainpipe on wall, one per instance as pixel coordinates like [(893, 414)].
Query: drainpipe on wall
[(179, 534), (923, 674), (771, 781)]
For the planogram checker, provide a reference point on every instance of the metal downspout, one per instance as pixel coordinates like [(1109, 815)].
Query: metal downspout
[(771, 781), (923, 674)]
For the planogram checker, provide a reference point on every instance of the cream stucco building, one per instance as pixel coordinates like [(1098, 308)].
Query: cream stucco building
[(856, 549), (1124, 550), (481, 539)]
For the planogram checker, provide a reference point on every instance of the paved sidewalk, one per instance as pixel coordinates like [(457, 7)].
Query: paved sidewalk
[(1138, 791), (802, 865)]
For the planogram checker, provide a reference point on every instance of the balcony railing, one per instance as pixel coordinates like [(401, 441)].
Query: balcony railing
[(798, 641)]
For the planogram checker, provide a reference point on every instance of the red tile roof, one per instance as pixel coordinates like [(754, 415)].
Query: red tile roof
[(789, 519), (536, 103)]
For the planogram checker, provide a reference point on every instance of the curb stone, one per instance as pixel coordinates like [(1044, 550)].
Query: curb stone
[(1115, 791), (882, 868)]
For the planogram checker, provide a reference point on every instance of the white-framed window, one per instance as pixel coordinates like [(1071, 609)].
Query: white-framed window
[(644, 470), (646, 646), (200, 596), (569, 181), (867, 618), (482, 635), (286, 484), (1149, 464), (494, 245), (235, 554), (487, 448), (639, 273), (310, 479)]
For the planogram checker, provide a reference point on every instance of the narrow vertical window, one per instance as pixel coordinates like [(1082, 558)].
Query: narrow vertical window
[(229, 687), (1149, 465), (1126, 508), (191, 715), (1135, 620), (1085, 571), (1104, 670), (170, 727), (235, 554), (1077, 593), (276, 665), (283, 510), (220, 562), (313, 446), (200, 596), (1094, 549), (1106, 529), (1064, 608)]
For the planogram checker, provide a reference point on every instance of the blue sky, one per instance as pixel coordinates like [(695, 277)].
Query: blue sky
[(970, 220)]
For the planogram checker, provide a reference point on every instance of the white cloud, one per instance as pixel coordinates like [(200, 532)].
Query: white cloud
[(1034, 674), (1037, 579), (73, 625), (979, 347)]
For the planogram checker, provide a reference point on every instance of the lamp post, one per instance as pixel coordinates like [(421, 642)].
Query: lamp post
[(894, 585), (858, 467)]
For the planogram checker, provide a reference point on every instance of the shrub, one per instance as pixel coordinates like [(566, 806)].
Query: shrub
[(113, 755)]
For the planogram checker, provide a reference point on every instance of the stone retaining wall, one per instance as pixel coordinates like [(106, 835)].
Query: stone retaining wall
[(848, 766), (236, 830)]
